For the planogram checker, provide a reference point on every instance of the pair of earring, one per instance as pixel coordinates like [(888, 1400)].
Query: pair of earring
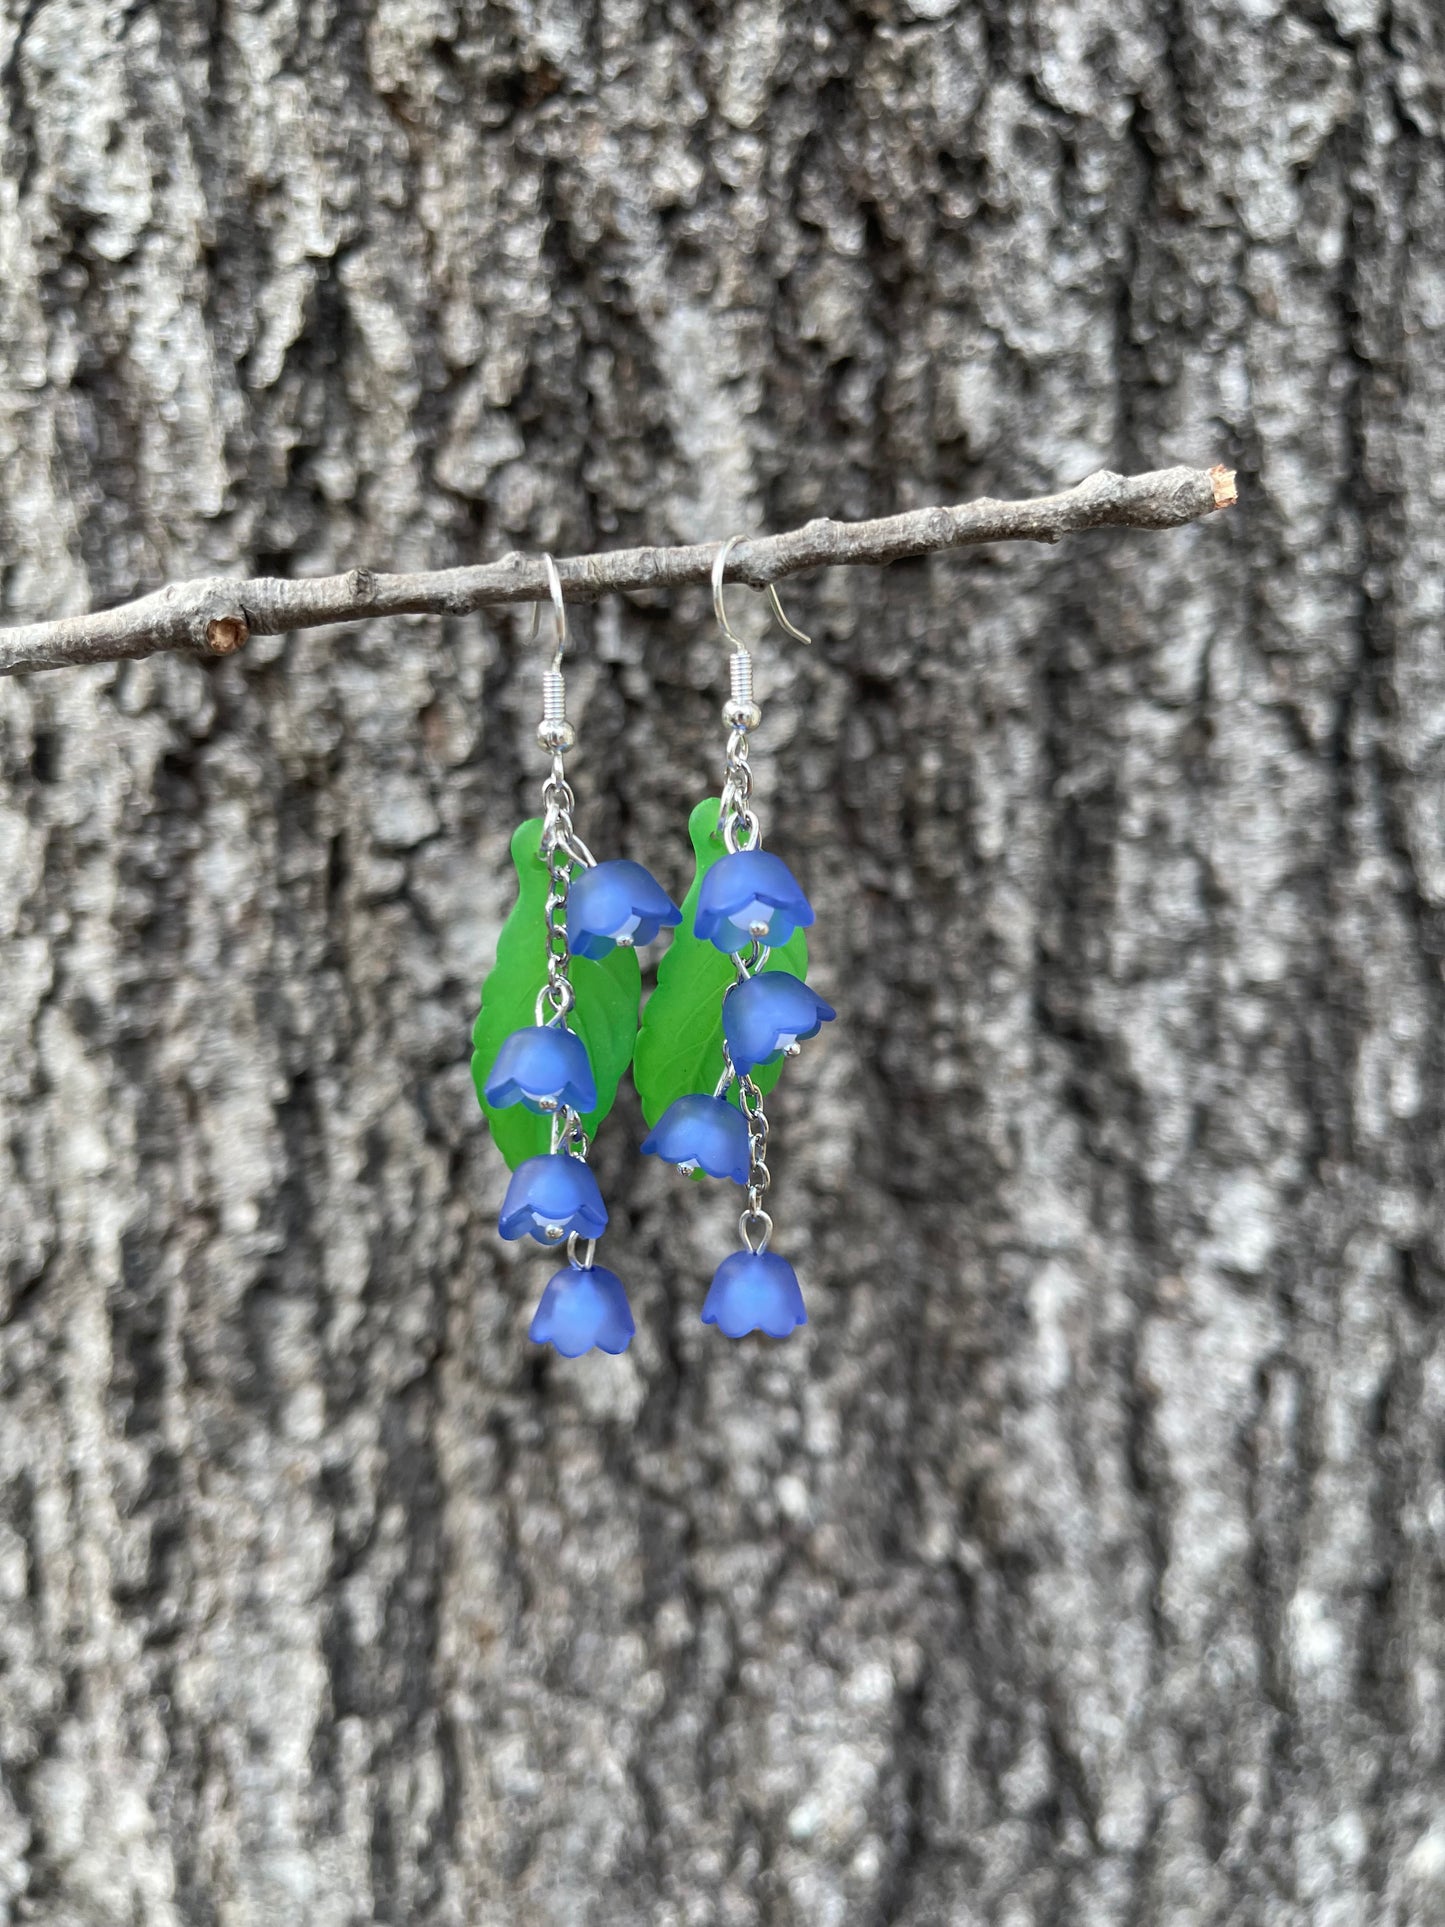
[(559, 1025)]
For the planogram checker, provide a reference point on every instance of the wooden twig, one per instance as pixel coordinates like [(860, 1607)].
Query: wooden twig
[(215, 615)]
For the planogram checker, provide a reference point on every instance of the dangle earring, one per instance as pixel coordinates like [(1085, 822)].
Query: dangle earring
[(556, 1032), (731, 988)]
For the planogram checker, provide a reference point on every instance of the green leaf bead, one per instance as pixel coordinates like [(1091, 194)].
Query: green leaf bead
[(679, 1048), (604, 1016)]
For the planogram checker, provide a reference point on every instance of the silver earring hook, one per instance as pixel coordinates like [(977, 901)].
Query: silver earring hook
[(554, 732), (559, 609), (719, 564)]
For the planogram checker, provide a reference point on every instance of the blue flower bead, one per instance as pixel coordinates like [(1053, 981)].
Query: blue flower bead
[(583, 1309), (614, 903), (543, 1068), (551, 1196), (754, 1291), (750, 896), (706, 1131), (770, 1013)]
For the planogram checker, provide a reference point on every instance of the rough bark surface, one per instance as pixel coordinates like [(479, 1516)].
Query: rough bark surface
[(1084, 1559)]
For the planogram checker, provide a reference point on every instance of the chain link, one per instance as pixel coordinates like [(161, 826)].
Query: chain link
[(559, 842), (741, 830), (567, 1133), (755, 1219), (740, 827), (561, 849)]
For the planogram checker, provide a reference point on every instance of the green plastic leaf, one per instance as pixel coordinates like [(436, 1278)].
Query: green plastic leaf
[(604, 1016), (679, 1048)]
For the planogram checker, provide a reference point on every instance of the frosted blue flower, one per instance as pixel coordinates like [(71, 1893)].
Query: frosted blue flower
[(543, 1068), (549, 1197), (748, 897), (583, 1309), (614, 903), (702, 1131), (770, 1013), (754, 1291)]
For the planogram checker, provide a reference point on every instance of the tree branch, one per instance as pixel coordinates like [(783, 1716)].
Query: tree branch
[(215, 615)]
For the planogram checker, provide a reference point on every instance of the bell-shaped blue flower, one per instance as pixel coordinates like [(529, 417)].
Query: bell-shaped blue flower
[(614, 903), (551, 1196), (770, 1013), (583, 1309), (748, 897), (754, 1291), (543, 1068), (705, 1132)]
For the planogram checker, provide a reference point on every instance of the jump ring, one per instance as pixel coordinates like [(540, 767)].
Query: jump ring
[(745, 1224)]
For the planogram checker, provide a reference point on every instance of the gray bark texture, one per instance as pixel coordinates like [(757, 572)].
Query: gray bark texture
[(1083, 1560)]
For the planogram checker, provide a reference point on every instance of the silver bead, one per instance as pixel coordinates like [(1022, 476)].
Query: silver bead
[(556, 736), (739, 715), (553, 1233), (759, 930)]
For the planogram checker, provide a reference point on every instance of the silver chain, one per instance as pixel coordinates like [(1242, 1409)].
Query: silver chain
[(742, 830), (561, 849), (558, 803), (567, 1133), (740, 827), (755, 1221)]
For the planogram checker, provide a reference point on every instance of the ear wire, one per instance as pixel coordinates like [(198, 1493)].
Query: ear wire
[(554, 732), (719, 564), (741, 711)]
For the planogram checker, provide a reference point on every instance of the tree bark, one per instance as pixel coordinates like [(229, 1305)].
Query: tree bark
[(1083, 1560)]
